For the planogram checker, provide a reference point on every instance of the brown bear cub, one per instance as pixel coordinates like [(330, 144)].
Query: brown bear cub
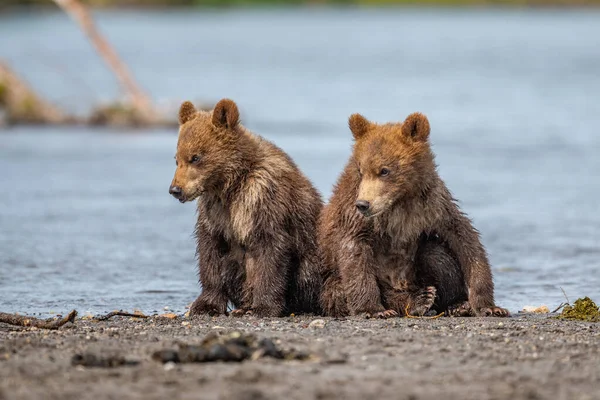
[(257, 217), (393, 238)]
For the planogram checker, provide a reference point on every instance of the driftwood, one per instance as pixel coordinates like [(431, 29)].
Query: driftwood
[(139, 100), (22, 105), (22, 320), (19, 104)]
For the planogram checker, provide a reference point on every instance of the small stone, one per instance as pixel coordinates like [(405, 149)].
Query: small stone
[(186, 323), (536, 310), (317, 324), (169, 366), (168, 315)]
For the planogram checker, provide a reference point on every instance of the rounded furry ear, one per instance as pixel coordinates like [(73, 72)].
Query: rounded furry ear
[(187, 112), (359, 125), (416, 127), (226, 114)]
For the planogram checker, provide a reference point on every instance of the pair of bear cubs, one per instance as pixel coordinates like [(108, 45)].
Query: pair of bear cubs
[(392, 240)]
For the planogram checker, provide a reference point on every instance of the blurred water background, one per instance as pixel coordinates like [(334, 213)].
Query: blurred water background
[(86, 221)]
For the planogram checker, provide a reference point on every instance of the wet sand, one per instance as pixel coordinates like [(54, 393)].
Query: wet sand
[(523, 357)]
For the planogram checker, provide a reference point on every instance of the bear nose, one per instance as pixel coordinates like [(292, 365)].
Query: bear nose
[(175, 191), (362, 205)]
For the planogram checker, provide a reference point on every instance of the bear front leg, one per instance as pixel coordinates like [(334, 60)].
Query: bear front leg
[(266, 279), (209, 302), (359, 279), (463, 239), (333, 296), (212, 262)]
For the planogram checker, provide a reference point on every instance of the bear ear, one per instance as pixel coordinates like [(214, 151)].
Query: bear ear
[(359, 125), (187, 112), (416, 127), (226, 114)]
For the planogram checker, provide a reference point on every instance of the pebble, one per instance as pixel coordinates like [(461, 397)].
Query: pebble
[(317, 324), (168, 315), (169, 366), (536, 310)]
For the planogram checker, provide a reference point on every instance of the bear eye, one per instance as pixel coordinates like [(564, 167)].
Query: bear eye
[(194, 159), (384, 172)]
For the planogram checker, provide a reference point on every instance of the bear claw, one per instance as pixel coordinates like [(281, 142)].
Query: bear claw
[(382, 314)]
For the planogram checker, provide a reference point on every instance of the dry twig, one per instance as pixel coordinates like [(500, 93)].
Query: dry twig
[(565, 294), (562, 305), (120, 314)]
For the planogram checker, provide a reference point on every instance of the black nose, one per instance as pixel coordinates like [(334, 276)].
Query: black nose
[(175, 191), (362, 205)]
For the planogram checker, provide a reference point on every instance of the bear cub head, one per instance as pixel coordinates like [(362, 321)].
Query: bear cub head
[(393, 162), (208, 151)]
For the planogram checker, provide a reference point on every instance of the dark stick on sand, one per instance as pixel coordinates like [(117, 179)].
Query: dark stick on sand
[(120, 314), (22, 320)]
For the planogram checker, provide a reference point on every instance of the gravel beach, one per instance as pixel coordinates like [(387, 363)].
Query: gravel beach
[(523, 357)]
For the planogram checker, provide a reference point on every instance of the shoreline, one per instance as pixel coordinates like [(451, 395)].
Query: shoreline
[(522, 357)]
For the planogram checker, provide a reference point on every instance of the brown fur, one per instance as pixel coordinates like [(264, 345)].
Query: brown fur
[(257, 216), (378, 259)]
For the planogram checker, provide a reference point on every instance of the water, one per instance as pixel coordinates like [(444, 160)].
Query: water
[(85, 218)]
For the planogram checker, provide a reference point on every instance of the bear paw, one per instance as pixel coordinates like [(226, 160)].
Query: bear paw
[(493, 312), (202, 307), (240, 312), (422, 301), (460, 310), (382, 314)]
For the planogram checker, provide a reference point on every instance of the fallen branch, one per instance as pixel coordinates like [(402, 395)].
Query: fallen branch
[(120, 314), (22, 320)]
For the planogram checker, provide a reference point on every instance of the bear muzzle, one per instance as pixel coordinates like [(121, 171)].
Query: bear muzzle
[(177, 192), (363, 206)]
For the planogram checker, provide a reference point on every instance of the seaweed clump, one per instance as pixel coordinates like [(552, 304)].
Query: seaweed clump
[(584, 309)]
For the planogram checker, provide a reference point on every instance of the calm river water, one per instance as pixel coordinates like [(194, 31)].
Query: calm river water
[(513, 99)]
